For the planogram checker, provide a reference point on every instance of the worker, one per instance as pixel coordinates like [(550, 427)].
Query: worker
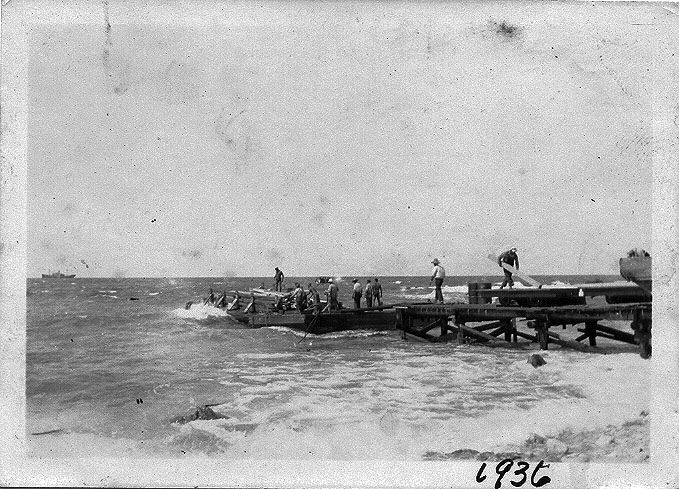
[(332, 294), (278, 280), (368, 294), (437, 275), (313, 297), (299, 297), (510, 258), (377, 292), (357, 294)]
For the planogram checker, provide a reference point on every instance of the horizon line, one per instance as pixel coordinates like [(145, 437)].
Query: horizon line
[(331, 276)]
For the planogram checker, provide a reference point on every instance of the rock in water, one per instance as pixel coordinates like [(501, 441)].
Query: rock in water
[(536, 360), (207, 413), (202, 413)]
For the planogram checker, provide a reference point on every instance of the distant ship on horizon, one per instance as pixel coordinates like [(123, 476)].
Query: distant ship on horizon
[(57, 274)]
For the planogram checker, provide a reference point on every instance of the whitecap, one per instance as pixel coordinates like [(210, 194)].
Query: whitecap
[(352, 333), (159, 387), (201, 311)]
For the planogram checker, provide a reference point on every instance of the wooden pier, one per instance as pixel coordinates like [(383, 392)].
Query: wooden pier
[(481, 320), (494, 323)]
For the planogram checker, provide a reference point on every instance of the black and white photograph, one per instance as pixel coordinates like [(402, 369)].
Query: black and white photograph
[(340, 244)]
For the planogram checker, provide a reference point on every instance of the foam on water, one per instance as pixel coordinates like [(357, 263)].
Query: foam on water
[(201, 311), (402, 412), (358, 333), (393, 407)]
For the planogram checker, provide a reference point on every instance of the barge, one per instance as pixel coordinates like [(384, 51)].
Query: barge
[(258, 309)]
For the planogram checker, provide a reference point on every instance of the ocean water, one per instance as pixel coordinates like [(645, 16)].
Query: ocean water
[(106, 375)]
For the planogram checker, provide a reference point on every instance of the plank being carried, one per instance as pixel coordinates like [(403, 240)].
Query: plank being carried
[(264, 292), (514, 271)]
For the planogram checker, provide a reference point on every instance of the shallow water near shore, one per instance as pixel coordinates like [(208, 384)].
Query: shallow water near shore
[(106, 375)]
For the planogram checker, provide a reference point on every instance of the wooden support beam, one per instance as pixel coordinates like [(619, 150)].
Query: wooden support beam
[(527, 336), (617, 336), (573, 344), (497, 332), (600, 334), (419, 334), (429, 327), (486, 327), (582, 336), (460, 333), (399, 321), (590, 330), (622, 335), (542, 334), (642, 332), (477, 334), (507, 328), (610, 337), (404, 321)]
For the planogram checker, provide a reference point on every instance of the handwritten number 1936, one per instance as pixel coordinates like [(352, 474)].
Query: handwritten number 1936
[(506, 465)]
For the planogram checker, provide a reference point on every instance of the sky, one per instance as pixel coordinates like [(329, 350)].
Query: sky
[(340, 138)]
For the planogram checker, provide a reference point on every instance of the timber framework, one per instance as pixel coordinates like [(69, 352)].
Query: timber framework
[(493, 323)]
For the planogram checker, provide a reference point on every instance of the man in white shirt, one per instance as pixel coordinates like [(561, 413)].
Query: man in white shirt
[(437, 275), (358, 293)]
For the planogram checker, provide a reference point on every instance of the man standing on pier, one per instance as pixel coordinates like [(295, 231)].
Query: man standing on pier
[(377, 293), (332, 293), (510, 258), (278, 280), (368, 294), (358, 293), (437, 275)]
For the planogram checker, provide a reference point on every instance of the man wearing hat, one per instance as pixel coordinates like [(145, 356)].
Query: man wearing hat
[(332, 294), (358, 293), (437, 275), (510, 258)]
